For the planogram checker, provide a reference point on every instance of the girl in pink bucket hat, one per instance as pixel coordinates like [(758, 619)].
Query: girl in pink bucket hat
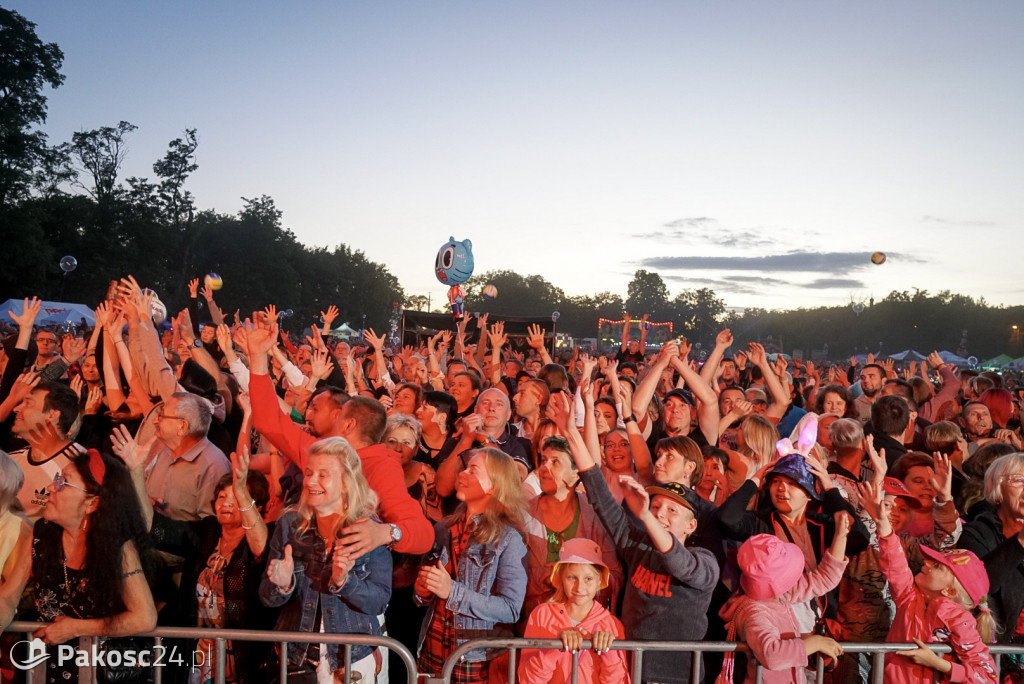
[(761, 613), (573, 615), (946, 602)]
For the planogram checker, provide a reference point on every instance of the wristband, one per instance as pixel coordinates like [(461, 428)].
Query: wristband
[(629, 419), (248, 508)]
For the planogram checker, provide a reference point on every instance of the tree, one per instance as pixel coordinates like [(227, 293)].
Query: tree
[(647, 293), (27, 66), (100, 153)]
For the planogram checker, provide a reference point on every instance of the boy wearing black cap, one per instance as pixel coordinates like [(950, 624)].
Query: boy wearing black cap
[(667, 580)]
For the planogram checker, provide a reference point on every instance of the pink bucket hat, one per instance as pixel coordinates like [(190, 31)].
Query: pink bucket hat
[(896, 488), (581, 550), (770, 566), (966, 567)]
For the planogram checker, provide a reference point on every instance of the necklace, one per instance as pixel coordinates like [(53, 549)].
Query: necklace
[(67, 588)]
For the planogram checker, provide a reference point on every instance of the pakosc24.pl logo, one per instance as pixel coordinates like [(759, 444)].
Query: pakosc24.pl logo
[(156, 656)]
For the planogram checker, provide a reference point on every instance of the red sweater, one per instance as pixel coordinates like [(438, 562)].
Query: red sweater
[(381, 466)]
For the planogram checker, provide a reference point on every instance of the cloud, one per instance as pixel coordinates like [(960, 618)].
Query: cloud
[(837, 263), (952, 223), (826, 283), (719, 286), (708, 231)]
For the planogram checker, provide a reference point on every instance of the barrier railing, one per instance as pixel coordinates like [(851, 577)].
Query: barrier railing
[(876, 652), (221, 636)]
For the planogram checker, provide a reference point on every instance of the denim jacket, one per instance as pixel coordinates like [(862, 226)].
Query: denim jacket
[(488, 588), (352, 609)]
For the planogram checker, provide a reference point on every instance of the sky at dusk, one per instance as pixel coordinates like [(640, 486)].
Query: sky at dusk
[(762, 149)]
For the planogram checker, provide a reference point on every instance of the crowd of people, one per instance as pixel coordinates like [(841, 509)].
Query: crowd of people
[(224, 474)]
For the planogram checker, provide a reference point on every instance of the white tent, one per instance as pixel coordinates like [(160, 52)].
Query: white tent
[(50, 313), (908, 355)]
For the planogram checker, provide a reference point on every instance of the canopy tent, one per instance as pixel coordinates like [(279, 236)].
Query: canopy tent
[(950, 357), (50, 313), (908, 355), (1000, 361), (344, 329)]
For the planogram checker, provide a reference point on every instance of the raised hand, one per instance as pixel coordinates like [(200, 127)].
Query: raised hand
[(497, 336), (877, 458), (321, 364), (635, 495), (193, 288), (757, 354), (724, 339), (93, 401), (73, 348), (376, 341), (942, 482), (262, 336), (329, 316), (127, 449), (28, 314), (684, 348), (25, 383), (535, 337)]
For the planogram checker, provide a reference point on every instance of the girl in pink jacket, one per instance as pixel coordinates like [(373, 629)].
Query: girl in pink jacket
[(573, 615), (761, 614), (937, 605)]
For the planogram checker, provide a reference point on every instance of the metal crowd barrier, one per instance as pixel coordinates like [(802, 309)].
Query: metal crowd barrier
[(876, 651), (221, 636)]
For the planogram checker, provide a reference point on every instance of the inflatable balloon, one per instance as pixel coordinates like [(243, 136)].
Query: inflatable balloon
[(214, 281), (858, 308), (68, 264), (972, 361), (490, 291), (878, 258), (454, 263), (158, 310), (454, 266)]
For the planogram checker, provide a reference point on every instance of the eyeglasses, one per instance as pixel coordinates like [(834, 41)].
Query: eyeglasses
[(48, 340), (163, 416), (60, 482), (1015, 481)]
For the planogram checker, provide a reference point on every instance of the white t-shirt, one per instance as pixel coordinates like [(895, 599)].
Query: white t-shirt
[(38, 476)]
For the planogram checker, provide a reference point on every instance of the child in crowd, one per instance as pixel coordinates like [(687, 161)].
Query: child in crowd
[(938, 604), (670, 584), (761, 614), (573, 615)]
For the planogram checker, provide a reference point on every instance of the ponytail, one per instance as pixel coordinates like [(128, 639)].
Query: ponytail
[(986, 623)]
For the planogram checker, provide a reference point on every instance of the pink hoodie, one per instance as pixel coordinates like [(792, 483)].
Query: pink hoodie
[(940, 620), (769, 626), (548, 621)]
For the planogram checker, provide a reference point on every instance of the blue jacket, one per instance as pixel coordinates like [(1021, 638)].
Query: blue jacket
[(352, 609), (488, 588)]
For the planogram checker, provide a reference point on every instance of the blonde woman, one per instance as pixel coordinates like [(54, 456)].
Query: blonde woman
[(756, 449), (314, 577), (474, 580), (15, 539)]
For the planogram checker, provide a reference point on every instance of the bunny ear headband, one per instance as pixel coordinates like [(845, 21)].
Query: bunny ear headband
[(808, 436)]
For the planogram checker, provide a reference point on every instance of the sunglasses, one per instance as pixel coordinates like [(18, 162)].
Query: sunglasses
[(60, 482)]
